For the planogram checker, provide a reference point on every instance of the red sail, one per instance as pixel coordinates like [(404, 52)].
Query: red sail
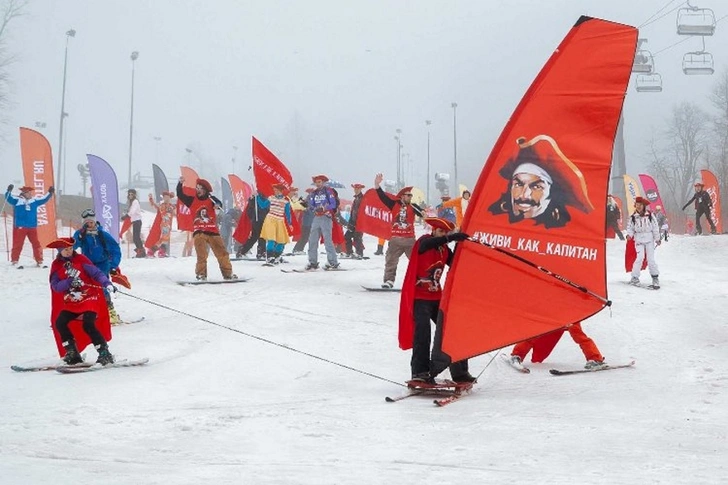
[(713, 189), (268, 170), (538, 209), (184, 214)]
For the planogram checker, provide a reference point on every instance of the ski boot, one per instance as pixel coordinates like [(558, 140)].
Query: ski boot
[(72, 356), (105, 357), (311, 267), (380, 250), (655, 282), (388, 285), (594, 364), (201, 277)]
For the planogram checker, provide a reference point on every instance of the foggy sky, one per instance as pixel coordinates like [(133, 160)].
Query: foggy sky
[(323, 84)]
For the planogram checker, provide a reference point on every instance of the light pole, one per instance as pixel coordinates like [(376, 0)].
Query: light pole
[(134, 57), (427, 124), (455, 146), (69, 34), (157, 139), (398, 138)]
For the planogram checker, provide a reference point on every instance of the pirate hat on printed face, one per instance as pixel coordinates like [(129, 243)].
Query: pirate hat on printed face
[(541, 154), (406, 190), (439, 223), (61, 243), (204, 184)]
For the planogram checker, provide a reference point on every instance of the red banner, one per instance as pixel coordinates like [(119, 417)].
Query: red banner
[(712, 188), (184, 214), (268, 170), (241, 191), (374, 217), (38, 173)]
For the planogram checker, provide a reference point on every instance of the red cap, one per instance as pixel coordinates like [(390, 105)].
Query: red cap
[(205, 184), (439, 223), (322, 177), (406, 190), (61, 243)]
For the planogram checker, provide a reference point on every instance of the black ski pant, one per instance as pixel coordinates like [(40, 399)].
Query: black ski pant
[(615, 225), (426, 311), (354, 241), (255, 237), (89, 326), (700, 212), (302, 239), (136, 232)]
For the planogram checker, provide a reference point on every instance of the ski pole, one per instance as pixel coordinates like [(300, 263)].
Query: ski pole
[(545, 271)]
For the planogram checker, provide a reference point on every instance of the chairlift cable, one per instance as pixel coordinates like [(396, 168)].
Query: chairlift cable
[(652, 18)]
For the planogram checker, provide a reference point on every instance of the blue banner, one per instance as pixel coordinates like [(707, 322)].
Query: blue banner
[(105, 192)]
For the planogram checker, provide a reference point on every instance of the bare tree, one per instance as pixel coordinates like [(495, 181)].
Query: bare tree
[(717, 161), (9, 10), (676, 158)]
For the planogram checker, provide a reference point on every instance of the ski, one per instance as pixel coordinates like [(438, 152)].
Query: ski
[(211, 282), (645, 287), (248, 259), (95, 367), (311, 270), (363, 258), (459, 392), (378, 288), (557, 372), (49, 366), (412, 392), (39, 267), (519, 367)]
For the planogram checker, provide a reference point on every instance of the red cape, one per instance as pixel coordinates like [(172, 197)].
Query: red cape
[(125, 226), (407, 301), (155, 232), (544, 345), (630, 254), (94, 302)]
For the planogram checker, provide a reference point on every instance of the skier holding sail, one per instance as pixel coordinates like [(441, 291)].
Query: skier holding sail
[(420, 304)]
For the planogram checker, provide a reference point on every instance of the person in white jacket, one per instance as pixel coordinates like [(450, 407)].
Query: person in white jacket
[(134, 212), (643, 227)]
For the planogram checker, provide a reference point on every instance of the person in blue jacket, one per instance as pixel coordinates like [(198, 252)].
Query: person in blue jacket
[(102, 249), (25, 221)]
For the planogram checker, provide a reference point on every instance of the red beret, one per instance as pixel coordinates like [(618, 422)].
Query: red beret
[(439, 223), (320, 177), (61, 243), (406, 190), (205, 184), (642, 200)]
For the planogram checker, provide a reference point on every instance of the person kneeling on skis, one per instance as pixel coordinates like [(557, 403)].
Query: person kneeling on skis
[(77, 292)]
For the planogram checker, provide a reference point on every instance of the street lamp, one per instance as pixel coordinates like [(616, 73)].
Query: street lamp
[(455, 146), (134, 57), (427, 124), (69, 34)]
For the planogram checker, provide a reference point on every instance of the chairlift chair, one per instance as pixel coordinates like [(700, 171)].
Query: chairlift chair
[(695, 21), (698, 63), (643, 62), (648, 83)]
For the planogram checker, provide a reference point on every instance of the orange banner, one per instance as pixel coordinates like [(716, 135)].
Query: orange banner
[(38, 173), (713, 189), (538, 210)]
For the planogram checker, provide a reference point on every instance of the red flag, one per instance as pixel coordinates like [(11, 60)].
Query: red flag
[(538, 209), (374, 217), (125, 226), (184, 214), (630, 255), (268, 170)]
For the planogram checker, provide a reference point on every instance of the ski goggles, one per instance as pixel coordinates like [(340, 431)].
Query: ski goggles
[(88, 214)]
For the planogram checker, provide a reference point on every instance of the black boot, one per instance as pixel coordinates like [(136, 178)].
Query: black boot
[(72, 356), (380, 250), (105, 356)]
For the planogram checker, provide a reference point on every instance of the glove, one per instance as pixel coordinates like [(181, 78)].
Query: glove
[(114, 271), (76, 283), (10, 187), (458, 236), (51, 190)]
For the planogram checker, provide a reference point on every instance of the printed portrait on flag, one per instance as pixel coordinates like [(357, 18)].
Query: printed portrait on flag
[(541, 185)]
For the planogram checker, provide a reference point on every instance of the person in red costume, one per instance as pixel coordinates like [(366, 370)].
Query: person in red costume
[(420, 304), (543, 345), (78, 292)]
